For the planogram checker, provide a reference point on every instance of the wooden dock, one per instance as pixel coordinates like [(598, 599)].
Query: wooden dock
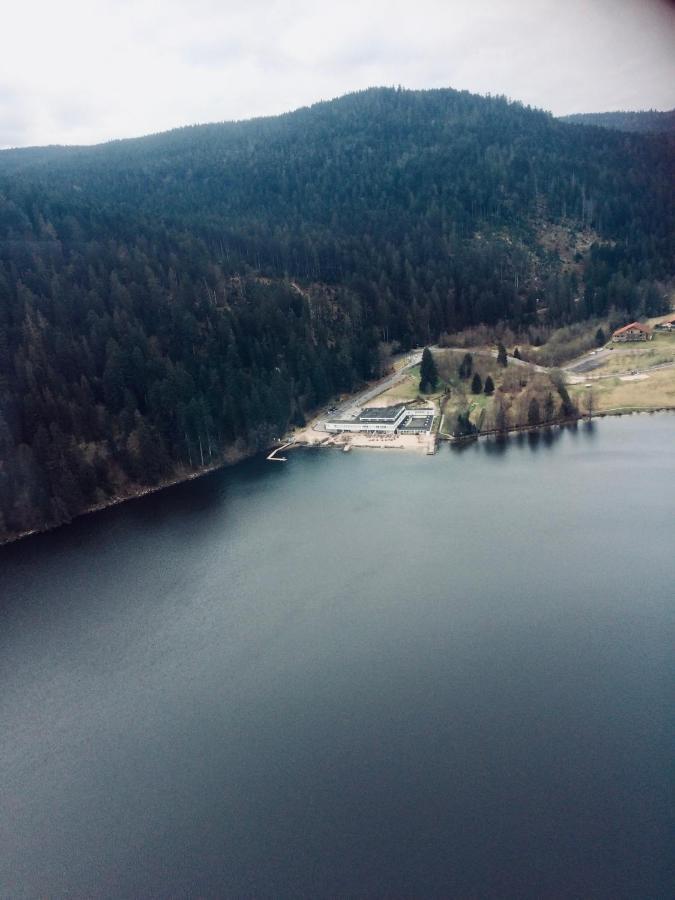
[(273, 455)]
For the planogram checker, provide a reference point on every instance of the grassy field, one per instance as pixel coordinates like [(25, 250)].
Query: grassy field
[(628, 359), (657, 320), (654, 391), (406, 390)]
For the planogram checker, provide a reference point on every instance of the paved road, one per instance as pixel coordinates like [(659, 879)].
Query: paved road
[(578, 379), (580, 370), (364, 397), (351, 407), (588, 362)]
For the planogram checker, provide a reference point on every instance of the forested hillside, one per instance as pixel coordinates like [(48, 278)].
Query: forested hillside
[(168, 300), (644, 122)]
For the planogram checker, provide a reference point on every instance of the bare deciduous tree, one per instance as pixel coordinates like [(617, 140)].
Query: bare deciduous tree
[(589, 402)]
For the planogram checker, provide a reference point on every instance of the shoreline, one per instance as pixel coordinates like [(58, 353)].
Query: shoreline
[(226, 463), (564, 423), (135, 494)]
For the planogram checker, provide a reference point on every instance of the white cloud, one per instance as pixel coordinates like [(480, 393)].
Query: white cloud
[(82, 71)]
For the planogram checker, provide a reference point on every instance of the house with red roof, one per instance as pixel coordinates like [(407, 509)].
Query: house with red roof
[(666, 325), (636, 331)]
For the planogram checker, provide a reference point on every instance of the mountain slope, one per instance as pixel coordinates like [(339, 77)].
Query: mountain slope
[(168, 300), (649, 121)]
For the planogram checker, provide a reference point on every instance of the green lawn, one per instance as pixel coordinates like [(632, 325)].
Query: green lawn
[(409, 389), (611, 394), (626, 358)]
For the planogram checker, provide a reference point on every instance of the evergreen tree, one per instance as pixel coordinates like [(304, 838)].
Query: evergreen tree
[(489, 385), (516, 353), (567, 407), (464, 426), (501, 355), (428, 372), (533, 414), (476, 384), (465, 367), (600, 338)]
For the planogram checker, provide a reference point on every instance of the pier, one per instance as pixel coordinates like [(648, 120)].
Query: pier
[(272, 457)]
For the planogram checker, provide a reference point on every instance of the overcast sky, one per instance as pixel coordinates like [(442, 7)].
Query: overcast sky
[(83, 71)]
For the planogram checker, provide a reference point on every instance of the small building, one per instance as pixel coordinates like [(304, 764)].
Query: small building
[(417, 421), (666, 325), (636, 331)]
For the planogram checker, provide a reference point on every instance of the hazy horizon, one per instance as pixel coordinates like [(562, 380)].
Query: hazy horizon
[(89, 71)]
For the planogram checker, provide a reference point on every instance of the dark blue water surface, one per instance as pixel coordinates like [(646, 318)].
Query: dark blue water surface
[(352, 674)]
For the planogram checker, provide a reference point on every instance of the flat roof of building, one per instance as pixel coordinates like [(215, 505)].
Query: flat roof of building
[(380, 413), (420, 411), (417, 423)]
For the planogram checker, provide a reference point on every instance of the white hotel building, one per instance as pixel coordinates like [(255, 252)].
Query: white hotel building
[(385, 419)]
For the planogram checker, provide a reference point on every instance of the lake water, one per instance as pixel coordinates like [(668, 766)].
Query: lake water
[(352, 674)]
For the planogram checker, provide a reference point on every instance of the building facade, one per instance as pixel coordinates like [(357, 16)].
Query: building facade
[(636, 331), (386, 419)]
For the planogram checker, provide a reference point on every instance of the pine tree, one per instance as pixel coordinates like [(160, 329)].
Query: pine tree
[(464, 425), (567, 407), (465, 367), (489, 386), (476, 384), (428, 372), (501, 355)]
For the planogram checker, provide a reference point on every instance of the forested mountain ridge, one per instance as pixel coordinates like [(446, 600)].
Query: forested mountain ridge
[(168, 298), (642, 122)]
